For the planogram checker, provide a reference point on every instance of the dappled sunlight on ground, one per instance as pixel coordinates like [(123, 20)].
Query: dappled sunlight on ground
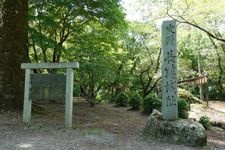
[(213, 112), (218, 105), (100, 127), (24, 145)]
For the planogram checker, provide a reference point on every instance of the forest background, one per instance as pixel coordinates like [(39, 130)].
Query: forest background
[(115, 54)]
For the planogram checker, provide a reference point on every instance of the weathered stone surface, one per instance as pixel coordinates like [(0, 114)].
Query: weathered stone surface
[(182, 131), (50, 65), (49, 86), (169, 70)]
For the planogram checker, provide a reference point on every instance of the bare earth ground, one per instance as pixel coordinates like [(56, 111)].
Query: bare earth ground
[(103, 127), (216, 113)]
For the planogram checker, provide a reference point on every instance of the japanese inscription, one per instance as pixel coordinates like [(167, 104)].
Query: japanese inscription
[(169, 70)]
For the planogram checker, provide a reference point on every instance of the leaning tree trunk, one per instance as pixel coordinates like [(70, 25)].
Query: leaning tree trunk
[(13, 51)]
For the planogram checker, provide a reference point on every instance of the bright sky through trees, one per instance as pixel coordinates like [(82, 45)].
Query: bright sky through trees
[(132, 10), (138, 10)]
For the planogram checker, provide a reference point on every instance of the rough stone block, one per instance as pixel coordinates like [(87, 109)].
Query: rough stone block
[(181, 131)]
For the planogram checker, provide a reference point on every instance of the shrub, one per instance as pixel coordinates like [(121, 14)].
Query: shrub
[(188, 96), (135, 102), (121, 99), (151, 102), (183, 108), (204, 120)]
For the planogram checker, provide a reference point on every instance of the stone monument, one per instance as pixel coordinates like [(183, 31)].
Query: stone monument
[(167, 126), (29, 93), (169, 71)]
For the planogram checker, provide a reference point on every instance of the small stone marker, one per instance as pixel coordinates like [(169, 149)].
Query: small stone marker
[(28, 96), (169, 71)]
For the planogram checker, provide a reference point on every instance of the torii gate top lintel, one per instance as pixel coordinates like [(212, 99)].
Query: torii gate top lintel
[(49, 65)]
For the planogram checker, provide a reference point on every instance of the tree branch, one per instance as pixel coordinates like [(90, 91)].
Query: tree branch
[(193, 23)]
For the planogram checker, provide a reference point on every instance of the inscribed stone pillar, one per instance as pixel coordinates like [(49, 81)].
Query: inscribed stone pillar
[(169, 71)]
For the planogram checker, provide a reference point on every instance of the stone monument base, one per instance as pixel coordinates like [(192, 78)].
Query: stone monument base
[(181, 131)]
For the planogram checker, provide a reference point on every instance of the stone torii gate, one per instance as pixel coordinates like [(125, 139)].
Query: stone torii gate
[(68, 94)]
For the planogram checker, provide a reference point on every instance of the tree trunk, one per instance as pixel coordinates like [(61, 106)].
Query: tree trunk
[(13, 51)]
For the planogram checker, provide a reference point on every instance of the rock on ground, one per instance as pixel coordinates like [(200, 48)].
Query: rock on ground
[(182, 131)]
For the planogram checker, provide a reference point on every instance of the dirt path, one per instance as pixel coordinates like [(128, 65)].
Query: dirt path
[(213, 112), (101, 128), (218, 105), (216, 113)]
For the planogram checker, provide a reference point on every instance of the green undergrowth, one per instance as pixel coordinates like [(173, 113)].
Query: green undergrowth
[(188, 96)]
